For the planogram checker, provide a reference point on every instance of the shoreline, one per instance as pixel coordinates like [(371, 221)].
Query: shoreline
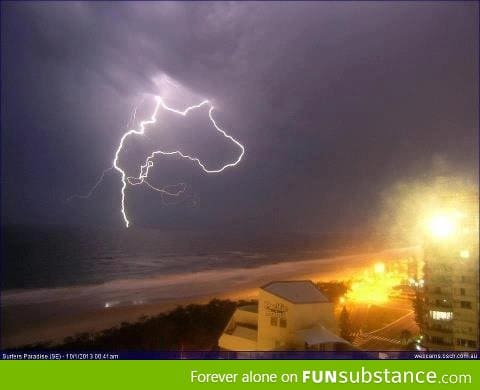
[(61, 312)]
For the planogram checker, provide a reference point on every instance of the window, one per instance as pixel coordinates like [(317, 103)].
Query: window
[(283, 323), (442, 303), (273, 321), (465, 304), (462, 291), (441, 315)]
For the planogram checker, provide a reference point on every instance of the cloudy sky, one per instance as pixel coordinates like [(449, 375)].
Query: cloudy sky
[(334, 103)]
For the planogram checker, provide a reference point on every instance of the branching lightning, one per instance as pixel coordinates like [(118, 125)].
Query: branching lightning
[(149, 163), (99, 181), (94, 187)]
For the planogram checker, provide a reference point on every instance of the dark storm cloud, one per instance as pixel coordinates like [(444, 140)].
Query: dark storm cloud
[(333, 101)]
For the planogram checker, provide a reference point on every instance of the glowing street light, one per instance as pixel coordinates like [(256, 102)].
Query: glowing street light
[(379, 268), (442, 226)]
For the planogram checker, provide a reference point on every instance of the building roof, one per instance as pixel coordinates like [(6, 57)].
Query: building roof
[(319, 335), (296, 291)]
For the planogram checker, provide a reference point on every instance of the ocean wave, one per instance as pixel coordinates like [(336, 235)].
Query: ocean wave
[(180, 285)]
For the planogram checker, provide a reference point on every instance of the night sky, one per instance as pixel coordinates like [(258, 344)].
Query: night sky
[(334, 102)]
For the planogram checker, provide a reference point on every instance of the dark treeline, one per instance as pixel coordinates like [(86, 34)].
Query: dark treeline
[(334, 290), (193, 327)]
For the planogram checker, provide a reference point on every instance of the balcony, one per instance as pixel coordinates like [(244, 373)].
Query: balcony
[(439, 304), (434, 330), (437, 291), (438, 341), (467, 315), (439, 280), (240, 339)]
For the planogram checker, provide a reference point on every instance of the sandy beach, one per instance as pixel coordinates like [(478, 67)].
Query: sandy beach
[(30, 316)]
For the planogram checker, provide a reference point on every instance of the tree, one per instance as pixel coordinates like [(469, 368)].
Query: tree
[(419, 308), (333, 290), (346, 330), (405, 336)]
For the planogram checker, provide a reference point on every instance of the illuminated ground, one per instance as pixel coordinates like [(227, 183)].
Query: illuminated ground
[(380, 327)]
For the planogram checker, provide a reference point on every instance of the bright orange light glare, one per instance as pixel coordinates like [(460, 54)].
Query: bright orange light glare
[(379, 268), (375, 286)]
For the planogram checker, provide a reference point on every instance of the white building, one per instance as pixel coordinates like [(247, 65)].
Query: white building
[(290, 315)]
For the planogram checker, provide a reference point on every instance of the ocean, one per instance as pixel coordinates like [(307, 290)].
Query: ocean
[(58, 281), (48, 257)]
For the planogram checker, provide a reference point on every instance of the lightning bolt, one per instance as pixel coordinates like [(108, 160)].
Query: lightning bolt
[(93, 189), (99, 181), (149, 163), (145, 168)]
